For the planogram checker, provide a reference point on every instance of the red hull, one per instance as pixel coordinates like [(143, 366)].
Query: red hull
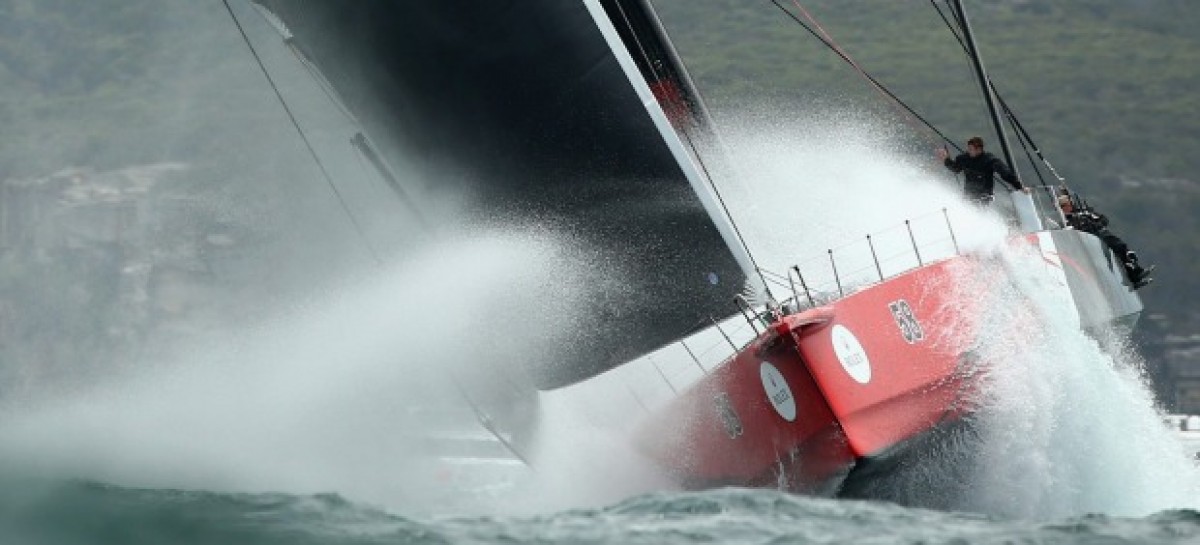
[(825, 387)]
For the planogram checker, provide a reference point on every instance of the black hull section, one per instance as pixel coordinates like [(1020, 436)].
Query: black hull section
[(932, 470), (522, 107)]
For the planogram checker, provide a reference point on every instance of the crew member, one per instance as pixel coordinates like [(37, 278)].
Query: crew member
[(979, 168), (1097, 224)]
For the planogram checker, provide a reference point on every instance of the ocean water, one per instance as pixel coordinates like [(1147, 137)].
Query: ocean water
[(313, 428), (80, 512)]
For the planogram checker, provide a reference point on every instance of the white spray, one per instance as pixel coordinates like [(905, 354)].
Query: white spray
[(1071, 428), (341, 395), (1068, 427), (322, 400)]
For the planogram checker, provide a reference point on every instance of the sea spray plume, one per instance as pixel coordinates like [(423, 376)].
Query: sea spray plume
[(822, 179), (580, 462), (1061, 427), (596, 430), (1069, 428), (804, 180), (337, 396)]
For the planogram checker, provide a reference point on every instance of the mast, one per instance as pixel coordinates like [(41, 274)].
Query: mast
[(989, 95), (664, 109)]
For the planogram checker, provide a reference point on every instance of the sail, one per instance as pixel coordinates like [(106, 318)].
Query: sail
[(576, 114), (643, 36)]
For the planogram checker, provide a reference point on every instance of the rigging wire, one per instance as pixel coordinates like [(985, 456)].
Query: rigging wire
[(1021, 129), (296, 124), (866, 74), (359, 142), (968, 68), (289, 39), (953, 28), (1028, 155), (1013, 119), (322, 82), (737, 231), (695, 153), (484, 419), (840, 51)]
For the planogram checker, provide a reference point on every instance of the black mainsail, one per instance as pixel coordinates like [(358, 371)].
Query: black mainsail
[(574, 113)]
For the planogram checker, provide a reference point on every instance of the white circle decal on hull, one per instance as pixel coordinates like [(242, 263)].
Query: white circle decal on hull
[(778, 391), (850, 352)]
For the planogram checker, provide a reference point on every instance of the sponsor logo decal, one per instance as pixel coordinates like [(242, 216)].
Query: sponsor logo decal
[(850, 352), (733, 424), (910, 328), (778, 391)]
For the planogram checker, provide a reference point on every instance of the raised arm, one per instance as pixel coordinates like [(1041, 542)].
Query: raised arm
[(953, 164), (1005, 173)]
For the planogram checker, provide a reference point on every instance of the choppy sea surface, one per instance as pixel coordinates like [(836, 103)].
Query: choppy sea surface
[(83, 512)]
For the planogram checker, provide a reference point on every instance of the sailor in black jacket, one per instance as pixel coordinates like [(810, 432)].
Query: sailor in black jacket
[(980, 168), (1090, 221)]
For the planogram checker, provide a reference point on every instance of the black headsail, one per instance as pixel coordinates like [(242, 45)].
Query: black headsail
[(538, 110)]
